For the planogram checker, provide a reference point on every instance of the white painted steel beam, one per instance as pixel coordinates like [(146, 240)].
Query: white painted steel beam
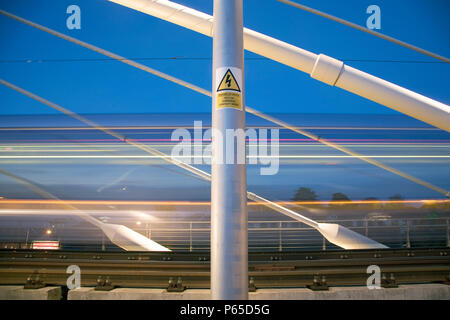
[(320, 67)]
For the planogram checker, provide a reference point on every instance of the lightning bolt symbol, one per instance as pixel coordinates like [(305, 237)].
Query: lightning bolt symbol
[(228, 80)]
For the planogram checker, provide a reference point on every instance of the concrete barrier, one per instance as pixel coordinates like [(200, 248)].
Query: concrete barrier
[(19, 293), (403, 292)]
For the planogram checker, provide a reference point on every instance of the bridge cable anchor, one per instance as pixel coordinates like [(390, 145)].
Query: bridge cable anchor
[(447, 280), (251, 285), (319, 284), (34, 281), (104, 284), (388, 283), (176, 287)]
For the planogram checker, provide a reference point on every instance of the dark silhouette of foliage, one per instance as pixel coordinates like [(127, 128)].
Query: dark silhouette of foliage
[(396, 197), (305, 194), (340, 197)]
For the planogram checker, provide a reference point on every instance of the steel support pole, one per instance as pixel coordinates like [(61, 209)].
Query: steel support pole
[(229, 247)]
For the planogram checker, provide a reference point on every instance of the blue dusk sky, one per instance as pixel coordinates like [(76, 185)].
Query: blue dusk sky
[(48, 66)]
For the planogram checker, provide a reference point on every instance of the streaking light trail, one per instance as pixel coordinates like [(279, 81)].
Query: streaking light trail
[(208, 93), (207, 203)]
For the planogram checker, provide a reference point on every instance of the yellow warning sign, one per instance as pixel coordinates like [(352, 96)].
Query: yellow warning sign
[(228, 82), (228, 99)]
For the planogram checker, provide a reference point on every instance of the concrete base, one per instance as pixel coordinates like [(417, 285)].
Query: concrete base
[(19, 293), (137, 294), (405, 292)]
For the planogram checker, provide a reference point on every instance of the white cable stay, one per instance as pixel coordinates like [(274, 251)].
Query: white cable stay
[(247, 108), (120, 235), (335, 233), (320, 67)]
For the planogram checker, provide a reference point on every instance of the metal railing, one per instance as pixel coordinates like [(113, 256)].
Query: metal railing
[(263, 235)]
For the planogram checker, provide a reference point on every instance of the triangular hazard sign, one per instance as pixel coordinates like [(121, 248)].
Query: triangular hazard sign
[(228, 82)]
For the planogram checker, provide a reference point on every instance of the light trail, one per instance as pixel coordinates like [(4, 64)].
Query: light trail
[(203, 157), (208, 127), (335, 233), (124, 214), (209, 140), (120, 235), (44, 150), (375, 145), (147, 149), (352, 153), (208, 203), (208, 93)]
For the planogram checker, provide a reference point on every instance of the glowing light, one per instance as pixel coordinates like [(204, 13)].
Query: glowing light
[(204, 203), (46, 245), (430, 201), (188, 157)]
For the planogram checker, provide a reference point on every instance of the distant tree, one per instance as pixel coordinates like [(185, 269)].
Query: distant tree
[(305, 194), (396, 197), (339, 197)]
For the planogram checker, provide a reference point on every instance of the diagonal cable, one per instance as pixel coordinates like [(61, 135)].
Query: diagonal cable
[(208, 93), (206, 176), (335, 233), (355, 26)]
